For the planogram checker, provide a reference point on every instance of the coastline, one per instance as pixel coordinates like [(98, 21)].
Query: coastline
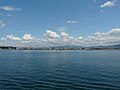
[(57, 48)]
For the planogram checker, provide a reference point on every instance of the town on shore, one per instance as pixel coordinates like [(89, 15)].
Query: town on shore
[(59, 48)]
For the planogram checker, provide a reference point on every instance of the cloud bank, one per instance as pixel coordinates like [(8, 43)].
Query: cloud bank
[(52, 38)]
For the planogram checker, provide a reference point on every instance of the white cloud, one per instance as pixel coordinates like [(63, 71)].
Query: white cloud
[(104, 38), (108, 4), (80, 38), (65, 38), (72, 21), (51, 34), (114, 33), (3, 39), (99, 38), (9, 8), (17, 41), (64, 34), (54, 39), (28, 37), (12, 37), (2, 24)]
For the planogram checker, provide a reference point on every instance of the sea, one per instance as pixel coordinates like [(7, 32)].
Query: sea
[(59, 70)]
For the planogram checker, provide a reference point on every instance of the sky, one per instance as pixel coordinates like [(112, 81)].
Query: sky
[(59, 22)]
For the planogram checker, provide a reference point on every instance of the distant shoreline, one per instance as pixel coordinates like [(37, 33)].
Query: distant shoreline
[(57, 48)]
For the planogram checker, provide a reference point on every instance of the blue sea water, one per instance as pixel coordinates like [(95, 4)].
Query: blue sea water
[(59, 70)]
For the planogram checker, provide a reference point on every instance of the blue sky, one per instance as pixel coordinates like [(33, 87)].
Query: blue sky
[(45, 21)]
